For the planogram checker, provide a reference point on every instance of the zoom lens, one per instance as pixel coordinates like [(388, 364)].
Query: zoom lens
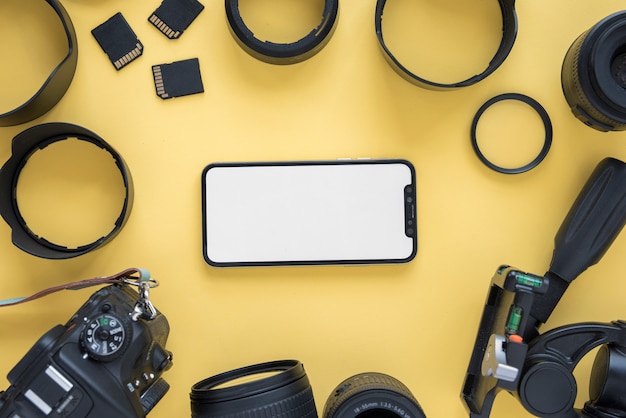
[(372, 395), (274, 389), (593, 75)]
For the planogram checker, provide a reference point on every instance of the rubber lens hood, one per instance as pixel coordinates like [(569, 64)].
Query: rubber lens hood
[(593, 75), (57, 83), (24, 145), (372, 395), (283, 53), (286, 389), (509, 33)]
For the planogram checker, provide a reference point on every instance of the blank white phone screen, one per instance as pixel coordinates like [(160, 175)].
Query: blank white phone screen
[(307, 213)]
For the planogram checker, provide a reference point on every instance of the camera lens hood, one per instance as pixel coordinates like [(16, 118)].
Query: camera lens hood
[(286, 389), (277, 53), (372, 395), (24, 145), (57, 82), (593, 75), (509, 33)]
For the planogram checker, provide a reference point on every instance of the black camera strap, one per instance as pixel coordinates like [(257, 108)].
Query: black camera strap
[(132, 276), (509, 33)]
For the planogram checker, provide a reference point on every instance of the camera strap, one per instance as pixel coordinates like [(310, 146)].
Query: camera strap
[(132, 276)]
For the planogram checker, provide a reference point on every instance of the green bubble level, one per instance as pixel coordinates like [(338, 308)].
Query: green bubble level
[(515, 318), (529, 280)]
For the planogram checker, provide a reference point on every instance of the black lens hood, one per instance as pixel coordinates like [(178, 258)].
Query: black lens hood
[(57, 82), (288, 388), (24, 145), (509, 33), (289, 53)]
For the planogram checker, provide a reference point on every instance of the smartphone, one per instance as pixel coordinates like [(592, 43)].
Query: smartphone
[(309, 212)]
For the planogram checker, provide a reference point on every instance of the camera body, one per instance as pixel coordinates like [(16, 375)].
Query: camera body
[(104, 362)]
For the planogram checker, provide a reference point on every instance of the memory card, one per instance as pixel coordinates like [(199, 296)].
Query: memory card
[(118, 40), (172, 17), (180, 78)]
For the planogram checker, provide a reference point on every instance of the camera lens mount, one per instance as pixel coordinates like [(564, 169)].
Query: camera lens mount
[(24, 145), (270, 387), (593, 75)]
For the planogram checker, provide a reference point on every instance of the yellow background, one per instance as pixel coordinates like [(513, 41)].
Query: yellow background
[(417, 321)]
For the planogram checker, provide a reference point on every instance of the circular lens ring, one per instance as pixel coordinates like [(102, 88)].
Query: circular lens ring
[(287, 390), (283, 53), (588, 85), (24, 145), (372, 394), (546, 123), (290, 370), (56, 84), (509, 33)]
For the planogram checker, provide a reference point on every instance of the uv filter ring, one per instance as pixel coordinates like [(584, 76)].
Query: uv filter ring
[(545, 118)]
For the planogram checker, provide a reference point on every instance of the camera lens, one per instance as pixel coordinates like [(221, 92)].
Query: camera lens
[(593, 75), (372, 395), (273, 389)]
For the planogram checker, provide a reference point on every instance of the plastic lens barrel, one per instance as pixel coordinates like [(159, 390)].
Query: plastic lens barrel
[(273, 389), (372, 395)]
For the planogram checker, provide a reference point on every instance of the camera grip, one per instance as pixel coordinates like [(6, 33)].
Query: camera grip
[(593, 222)]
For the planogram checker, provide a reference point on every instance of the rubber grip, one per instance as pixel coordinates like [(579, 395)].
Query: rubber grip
[(593, 222)]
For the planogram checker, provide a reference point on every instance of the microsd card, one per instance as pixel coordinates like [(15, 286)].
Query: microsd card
[(172, 17), (118, 40), (180, 78)]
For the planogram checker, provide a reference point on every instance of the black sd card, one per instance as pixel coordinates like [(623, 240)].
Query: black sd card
[(172, 17), (118, 40), (180, 78)]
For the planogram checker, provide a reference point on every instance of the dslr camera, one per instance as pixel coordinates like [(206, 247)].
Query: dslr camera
[(105, 362)]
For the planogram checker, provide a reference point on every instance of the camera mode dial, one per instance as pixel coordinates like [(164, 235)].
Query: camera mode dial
[(105, 337)]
